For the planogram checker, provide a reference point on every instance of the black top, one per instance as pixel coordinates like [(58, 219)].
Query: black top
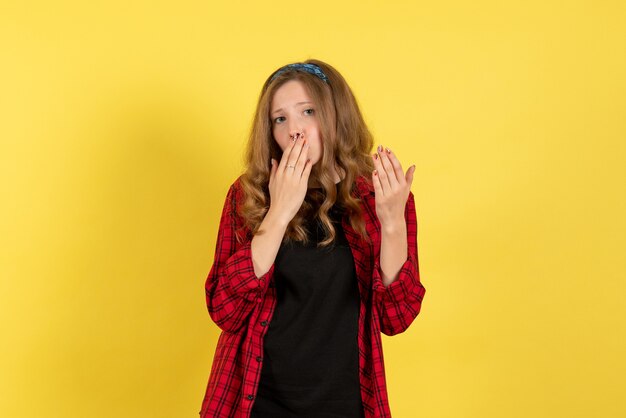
[(311, 359)]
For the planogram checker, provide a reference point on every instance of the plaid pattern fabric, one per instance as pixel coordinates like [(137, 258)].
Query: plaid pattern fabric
[(241, 305)]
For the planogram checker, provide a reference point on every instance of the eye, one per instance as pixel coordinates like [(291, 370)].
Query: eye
[(311, 110), (277, 119)]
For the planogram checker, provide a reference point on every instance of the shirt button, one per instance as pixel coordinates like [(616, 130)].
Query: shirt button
[(259, 358), (250, 397), (263, 323)]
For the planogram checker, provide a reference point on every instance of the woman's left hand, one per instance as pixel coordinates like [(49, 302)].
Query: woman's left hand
[(392, 188)]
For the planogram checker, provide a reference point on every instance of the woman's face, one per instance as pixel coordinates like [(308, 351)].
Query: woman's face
[(293, 111)]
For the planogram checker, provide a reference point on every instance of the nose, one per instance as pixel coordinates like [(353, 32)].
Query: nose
[(295, 131)]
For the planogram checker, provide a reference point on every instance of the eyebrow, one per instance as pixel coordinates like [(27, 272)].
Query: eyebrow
[(297, 104)]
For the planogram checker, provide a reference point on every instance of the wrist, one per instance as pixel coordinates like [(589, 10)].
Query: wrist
[(394, 228), (275, 219)]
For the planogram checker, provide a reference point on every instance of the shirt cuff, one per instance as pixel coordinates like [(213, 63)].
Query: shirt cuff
[(401, 287), (241, 277)]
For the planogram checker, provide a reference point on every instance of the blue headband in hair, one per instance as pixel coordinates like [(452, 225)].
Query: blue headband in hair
[(309, 68)]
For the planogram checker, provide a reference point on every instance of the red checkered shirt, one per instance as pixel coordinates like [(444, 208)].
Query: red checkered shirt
[(241, 305)]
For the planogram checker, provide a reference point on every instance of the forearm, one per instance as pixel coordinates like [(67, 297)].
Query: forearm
[(264, 247), (393, 251)]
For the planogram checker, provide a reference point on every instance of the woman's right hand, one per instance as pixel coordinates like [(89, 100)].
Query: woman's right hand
[(289, 180)]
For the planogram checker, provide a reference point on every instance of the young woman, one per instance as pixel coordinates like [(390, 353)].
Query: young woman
[(316, 256)]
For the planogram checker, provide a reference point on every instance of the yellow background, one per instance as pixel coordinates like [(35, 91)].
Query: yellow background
[(123, 124)]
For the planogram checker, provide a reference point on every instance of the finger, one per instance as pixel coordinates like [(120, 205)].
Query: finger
[(397, 167), (302, 159), (285, 157), (389, 171), (382, 174), (409, 175), (307, 170), (272, 171), (296, 151), (378, 188), (377, 167)]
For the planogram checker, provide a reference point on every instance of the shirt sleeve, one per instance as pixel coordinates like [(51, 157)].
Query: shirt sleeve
[(401, 301), (232, 288)]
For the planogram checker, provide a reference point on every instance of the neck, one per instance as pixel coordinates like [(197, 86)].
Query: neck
[(315, 184)]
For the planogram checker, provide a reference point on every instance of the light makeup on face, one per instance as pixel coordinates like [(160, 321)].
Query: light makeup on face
[(276, 119), (297, 104)]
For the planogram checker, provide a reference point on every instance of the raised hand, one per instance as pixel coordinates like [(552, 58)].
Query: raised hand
[(391, 187), (289, 180)]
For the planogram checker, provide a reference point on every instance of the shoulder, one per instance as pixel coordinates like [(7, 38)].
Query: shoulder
[(235, 190), (236, 185), (233, 198)]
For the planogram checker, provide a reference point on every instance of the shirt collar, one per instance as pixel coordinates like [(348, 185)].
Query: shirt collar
[(364, 186)]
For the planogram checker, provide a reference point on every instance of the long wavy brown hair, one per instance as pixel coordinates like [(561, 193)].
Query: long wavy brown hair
[(346, 142)]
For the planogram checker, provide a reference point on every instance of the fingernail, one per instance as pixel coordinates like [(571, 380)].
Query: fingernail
[(388, 150), (375, 156), (380, 148), (375, 172)]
